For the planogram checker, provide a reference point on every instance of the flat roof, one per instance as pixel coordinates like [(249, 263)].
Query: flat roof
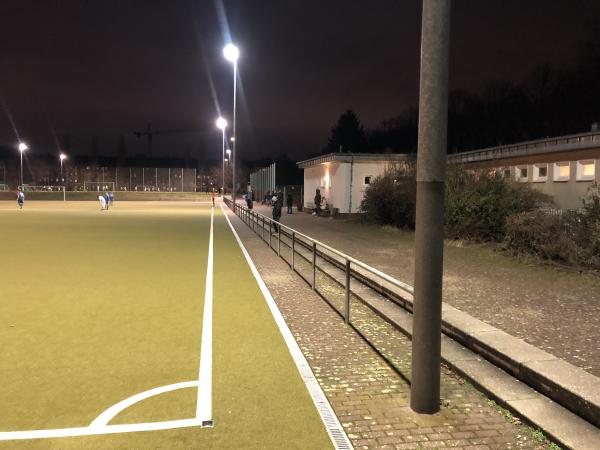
[(355, 157), (572, 142)]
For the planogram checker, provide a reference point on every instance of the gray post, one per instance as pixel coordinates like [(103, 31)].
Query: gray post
[(347, 299), (293, 249), (314, 266), (429, 236)]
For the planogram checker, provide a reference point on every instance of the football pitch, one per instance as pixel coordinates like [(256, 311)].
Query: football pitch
[(144, 326)]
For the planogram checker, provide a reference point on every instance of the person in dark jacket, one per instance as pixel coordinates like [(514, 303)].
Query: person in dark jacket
[(317, 202), (277, 205), (289, 202)]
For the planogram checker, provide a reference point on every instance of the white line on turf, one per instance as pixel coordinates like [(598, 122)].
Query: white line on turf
[(91, 431), (114, 410), (332, 424), (204, 402)]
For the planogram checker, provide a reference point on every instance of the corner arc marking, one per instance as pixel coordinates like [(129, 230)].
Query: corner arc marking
[(109, 414)]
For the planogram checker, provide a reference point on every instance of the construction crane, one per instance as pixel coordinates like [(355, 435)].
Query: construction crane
[(150, 133)]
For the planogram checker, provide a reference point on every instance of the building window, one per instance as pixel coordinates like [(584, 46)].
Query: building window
[(540, 172), (368, 180), (521, 173), (562, 171), (506, 173), (586, 170)]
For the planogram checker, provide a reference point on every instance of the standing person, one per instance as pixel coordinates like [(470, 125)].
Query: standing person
[(20, 197), (277, 201), (317, 202), (102, 201), (249, 202), (212, 197), (106, 199), (111, 197), (289, 201)]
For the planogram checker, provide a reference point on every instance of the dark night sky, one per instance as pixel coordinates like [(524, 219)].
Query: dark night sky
[(109, 67)]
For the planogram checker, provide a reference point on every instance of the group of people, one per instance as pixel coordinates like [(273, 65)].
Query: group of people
[(106, 200)]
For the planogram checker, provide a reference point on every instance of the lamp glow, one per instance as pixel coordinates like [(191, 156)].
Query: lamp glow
[(23, 147), (62, 156), (231, 53), (221, 123)]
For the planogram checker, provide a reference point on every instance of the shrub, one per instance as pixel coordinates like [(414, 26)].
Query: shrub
[(570, 237), (390, 199), (479, 203), (544, 235)]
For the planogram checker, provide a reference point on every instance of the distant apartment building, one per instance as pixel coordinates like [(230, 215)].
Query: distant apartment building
[(563, 167)]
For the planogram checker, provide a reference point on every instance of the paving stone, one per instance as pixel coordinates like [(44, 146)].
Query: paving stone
[(370, 396)]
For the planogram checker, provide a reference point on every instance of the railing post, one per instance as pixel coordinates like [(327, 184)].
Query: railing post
[(314, 266), (270, 233), (347, 303), (262, 229), (279, 240), (293, 249)]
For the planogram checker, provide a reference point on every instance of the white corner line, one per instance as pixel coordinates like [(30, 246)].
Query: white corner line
[(332, 424), (204, 400), (93, 431), (110, 413)]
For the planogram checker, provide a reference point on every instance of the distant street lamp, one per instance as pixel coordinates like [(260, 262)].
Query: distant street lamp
[(232, 53), (22, 147), (222, 124), (62, 157)]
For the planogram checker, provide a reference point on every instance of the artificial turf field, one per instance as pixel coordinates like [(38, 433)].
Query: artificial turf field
[(98, 306)]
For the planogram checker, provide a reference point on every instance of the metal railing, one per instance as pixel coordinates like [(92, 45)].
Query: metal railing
[(310, 258)]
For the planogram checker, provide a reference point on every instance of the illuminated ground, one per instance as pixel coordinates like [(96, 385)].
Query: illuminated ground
[(97, 306)]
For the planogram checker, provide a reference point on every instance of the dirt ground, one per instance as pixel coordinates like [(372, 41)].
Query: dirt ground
[(555, 309)]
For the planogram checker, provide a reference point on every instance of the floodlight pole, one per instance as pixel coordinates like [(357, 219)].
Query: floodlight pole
[(429, 235), (223, 161), (21, 151), (62, 178), (234, 128)]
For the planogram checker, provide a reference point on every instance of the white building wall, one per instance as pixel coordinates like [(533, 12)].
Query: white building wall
[(359, 172), (333, 179), (565, 193)]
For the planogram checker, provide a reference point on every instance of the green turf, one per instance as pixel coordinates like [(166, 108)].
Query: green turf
[(98, 306)]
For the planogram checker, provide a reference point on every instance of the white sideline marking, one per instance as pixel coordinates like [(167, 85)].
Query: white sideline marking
[(204, 402), (340, 440), (113, 411), (100, 425)]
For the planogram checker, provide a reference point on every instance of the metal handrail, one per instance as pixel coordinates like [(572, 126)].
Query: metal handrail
[(397, 283)]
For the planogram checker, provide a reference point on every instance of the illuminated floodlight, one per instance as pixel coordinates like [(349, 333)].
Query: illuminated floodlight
[(231, 53), (228, 152), (23, 147), (63, 156), (221, 123), (232, 139)]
